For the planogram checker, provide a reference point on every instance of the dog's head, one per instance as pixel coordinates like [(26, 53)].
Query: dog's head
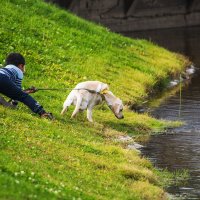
[(117, 108), (114, 103)]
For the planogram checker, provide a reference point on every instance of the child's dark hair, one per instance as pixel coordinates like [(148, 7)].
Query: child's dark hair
[(15, 59)]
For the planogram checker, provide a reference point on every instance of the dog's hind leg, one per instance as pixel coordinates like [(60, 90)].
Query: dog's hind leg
[(78, 104), (67, 103), (89, 114), (64, 109)]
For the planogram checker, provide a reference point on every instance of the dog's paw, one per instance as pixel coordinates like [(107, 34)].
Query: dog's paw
[(90, 120)]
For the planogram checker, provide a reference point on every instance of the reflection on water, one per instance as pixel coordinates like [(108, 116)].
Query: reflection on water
[(180, 150)]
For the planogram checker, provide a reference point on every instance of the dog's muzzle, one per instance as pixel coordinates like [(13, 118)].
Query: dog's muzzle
[(119, 117)]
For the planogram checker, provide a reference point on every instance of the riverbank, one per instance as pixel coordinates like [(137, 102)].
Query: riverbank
[(182, 142), (66, 158)]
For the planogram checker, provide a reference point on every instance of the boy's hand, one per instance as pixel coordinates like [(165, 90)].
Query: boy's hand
[(32, 89)]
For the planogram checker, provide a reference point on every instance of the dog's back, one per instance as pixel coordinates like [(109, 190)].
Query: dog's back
[(81, 95), (92, 85)]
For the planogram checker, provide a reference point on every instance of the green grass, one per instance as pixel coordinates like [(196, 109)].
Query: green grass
[(74, 159)]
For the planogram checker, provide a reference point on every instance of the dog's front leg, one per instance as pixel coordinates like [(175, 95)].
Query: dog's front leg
[(89, 114)]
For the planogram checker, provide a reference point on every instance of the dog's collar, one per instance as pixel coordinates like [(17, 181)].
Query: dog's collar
[(104, 91)]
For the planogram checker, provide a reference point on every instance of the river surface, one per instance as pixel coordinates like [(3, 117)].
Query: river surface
[(179, 149)]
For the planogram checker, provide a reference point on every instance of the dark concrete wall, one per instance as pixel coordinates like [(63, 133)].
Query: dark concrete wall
[(134, 15)]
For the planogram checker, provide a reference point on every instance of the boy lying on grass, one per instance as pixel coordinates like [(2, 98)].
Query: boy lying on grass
[(10, 85)]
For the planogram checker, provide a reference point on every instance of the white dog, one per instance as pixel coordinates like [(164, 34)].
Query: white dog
[(90, 93)]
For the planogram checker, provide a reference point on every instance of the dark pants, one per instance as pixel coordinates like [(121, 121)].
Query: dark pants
[(9, 89)]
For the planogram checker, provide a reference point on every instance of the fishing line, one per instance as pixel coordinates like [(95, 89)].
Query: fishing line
[(180, 96)]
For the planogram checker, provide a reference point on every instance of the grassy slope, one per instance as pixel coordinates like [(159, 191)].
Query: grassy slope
[(73, 158)]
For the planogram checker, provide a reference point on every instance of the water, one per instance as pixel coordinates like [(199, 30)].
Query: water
[(181, 148)]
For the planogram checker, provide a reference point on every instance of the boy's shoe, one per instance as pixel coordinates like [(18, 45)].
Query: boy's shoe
[(7, 104), (14, 103), (47, 116)]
